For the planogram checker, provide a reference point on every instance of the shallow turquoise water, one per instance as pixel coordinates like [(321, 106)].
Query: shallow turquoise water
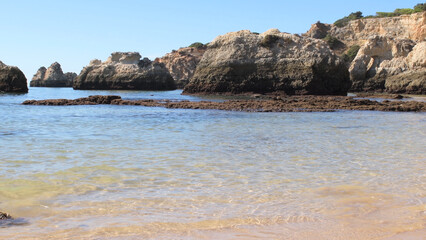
[(134, 172)]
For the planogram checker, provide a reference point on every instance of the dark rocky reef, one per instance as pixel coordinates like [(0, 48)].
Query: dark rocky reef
[(52, 77), (243, 61), (124, 71), (12, 79), (267, 104)]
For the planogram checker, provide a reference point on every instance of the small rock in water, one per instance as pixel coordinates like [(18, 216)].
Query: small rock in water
[(4, 216), (398, 97)]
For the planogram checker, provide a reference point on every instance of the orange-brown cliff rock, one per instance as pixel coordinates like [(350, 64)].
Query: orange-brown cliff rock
[(182, 63)]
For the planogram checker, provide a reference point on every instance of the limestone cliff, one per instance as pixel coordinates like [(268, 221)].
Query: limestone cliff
[(125, 70), (385, 61), (52, 77), (12, 79), (182, 63), (392, 65), (243, 61), (358, 31)]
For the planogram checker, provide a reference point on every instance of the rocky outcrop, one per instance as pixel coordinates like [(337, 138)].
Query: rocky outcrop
[(318, 30), (125, 70), (52, 77), (412, 26), (391, 65), (358, 31), (392, 53), (272, 61), (182, 63), (12, 79)]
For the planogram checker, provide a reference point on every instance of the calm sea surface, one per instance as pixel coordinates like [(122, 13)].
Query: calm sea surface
[(131, 172)]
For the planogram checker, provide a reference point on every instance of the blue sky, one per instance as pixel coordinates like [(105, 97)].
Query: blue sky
[(38, 33)]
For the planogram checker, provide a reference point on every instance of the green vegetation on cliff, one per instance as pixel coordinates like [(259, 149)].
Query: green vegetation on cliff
[(333, 42), (198, 45), (269, 40), (351, 53), (344, 21), (397, 12)]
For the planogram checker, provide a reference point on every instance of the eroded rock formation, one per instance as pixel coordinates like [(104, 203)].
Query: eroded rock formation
[(52, 77), (12, 79), (392, 65), (358, 31), (182, 63), (392, 54), (125, 70), (272, 61)]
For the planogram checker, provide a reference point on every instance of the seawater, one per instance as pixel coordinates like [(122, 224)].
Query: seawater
[(132, 172)]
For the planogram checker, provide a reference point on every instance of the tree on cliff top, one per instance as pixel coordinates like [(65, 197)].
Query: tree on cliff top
[(420, 7)]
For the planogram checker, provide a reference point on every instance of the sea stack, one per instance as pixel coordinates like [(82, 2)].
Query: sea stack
[(244, 61), (124, 71), (12, 79), (52, 77)]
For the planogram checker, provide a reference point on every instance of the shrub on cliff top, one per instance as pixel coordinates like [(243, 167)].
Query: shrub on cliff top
[(269, 40), (344, 21), (198, 45), (397, 12)]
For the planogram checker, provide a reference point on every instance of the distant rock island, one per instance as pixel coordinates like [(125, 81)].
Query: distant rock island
[(52, 77), (12, 79), (182, 63), (383, 53), (244, 61), (125, 71)]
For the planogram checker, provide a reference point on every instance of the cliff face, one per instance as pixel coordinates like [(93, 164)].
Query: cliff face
[(391, 53), (182, 63), (12, 79), (358, 31), (243, 61), (125, 71), (52, 77), (392, 65)]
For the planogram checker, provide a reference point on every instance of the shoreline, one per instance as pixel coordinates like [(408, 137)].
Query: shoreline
[(258, 103)]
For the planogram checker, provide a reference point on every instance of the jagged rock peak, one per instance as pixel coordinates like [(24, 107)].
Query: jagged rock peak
[(318, 30), (53, 76)]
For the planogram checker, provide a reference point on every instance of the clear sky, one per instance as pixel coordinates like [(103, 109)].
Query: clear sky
[(38, 33)]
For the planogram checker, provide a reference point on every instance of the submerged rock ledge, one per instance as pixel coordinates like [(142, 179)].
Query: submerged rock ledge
[(275, 104)]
